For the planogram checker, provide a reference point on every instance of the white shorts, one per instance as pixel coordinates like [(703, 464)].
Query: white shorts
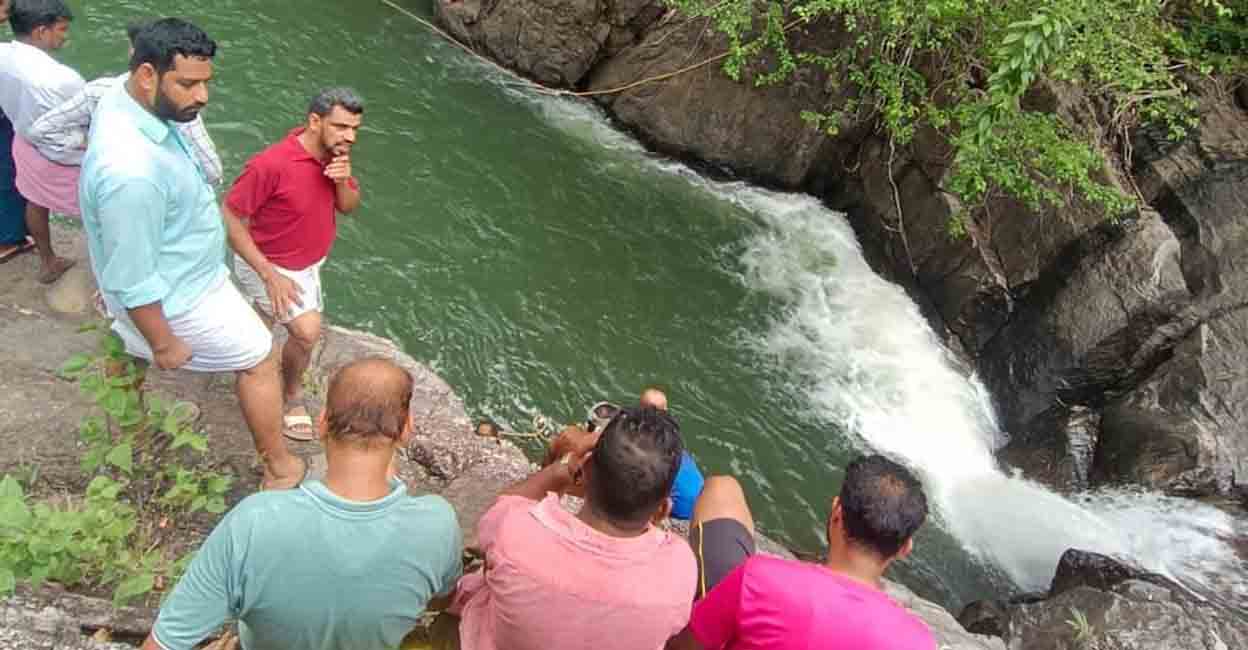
[(224, 332), (308, 280)]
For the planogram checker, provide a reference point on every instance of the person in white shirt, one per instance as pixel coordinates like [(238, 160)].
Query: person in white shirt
[(32, 83), (61, 134)]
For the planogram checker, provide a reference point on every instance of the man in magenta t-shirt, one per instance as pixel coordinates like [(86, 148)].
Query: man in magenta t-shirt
[(605, 577), (754, 602), (282, 219)]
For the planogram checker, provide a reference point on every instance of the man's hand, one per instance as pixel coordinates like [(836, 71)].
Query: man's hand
[(575, 444), (283, 292), (174, 354), (339, 169), (573, 440)]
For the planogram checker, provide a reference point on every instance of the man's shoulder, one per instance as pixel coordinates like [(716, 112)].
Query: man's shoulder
[(433, 507)]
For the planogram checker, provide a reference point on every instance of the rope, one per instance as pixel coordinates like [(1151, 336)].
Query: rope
[(546, 90)]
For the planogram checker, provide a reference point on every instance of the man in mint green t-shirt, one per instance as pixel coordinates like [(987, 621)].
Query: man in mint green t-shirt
[(347, 562)]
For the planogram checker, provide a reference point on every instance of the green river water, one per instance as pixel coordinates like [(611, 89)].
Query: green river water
[(540, 260)]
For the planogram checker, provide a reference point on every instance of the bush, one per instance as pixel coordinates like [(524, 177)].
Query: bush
[(986, 54)]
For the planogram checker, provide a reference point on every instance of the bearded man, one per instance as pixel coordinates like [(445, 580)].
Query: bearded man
[(157, 240), (282, 216)]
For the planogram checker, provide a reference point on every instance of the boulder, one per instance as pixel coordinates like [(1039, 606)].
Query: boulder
[(1078, 568), (1086, 331), (1099, 603), (986, 617), (1181, 430), (555, 42), (757, 132), (73, 293), (1132, 615)]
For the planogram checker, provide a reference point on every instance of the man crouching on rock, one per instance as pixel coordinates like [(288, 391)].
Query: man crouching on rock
[(349, 562), (605, 577), (157, 241)]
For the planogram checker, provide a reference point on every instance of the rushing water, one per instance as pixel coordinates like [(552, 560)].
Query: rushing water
[(540, 260)]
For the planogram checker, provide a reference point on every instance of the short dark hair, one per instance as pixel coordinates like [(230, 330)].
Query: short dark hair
[(327, 98), (161, 41), (368, 400), (134, 27), (26, 16), (634, 464), (882, 504)]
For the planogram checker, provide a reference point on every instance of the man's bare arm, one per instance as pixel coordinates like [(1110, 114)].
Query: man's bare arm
[(346, 197), (242, 243), (282, 290), (168, 350), (556, 477)]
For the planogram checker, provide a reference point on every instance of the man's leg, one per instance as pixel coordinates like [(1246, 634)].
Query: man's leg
[(305, 331), (721, 531), (260, 394), (723, 498), (37, 225)]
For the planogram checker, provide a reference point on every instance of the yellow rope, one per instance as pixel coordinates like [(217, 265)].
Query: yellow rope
[(546, 90)]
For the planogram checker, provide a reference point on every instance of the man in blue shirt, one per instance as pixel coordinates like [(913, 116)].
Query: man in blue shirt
[(157, 241), (347, 563)]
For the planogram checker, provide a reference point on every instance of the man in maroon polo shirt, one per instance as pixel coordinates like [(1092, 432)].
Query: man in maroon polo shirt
[(282, 220)]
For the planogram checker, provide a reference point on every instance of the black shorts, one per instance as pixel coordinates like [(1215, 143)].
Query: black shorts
[(720, 545)]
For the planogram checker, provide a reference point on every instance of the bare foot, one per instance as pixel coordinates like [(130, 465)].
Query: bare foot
[(54, 270), (286, 477)]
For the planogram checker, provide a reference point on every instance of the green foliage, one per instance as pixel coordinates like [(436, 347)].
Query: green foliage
[(962, 67), (134, 449), (1084, 632)]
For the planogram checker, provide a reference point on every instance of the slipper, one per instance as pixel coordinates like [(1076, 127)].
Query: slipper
[(24, 247), (266, 486), (299, 427)]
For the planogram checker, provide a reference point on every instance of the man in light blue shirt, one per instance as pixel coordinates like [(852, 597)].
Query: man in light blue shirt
[(347, 563), (157, 240)]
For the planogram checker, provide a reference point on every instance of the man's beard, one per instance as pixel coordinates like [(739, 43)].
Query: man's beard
[(165, 109), (338, 149)]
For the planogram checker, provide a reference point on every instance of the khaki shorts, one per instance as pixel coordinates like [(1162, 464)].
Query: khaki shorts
[(308, 280)]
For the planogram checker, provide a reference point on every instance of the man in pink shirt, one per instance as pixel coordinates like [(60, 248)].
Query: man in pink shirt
[(605, 577), (752, 602)]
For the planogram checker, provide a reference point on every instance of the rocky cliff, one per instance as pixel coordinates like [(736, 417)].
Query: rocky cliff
[(1111, 348)]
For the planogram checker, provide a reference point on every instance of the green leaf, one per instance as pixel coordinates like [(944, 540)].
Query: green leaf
[(216, 505), (121, 457), (11, 489), (199, 503), (115, 402), (8, 581), (113, 346), (75, 365), (133, 587)]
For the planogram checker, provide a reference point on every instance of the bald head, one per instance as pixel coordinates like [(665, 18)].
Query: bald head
[(653, 398), (369, 399)]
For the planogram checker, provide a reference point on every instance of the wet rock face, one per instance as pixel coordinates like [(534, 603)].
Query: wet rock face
[(1099, 603), (555, 42), (1084, 568), (1132, 615)]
